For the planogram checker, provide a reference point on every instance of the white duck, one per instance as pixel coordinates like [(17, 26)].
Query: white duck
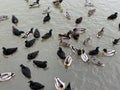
[(109, 53), (68, 61), (6, 76), (59, 84)]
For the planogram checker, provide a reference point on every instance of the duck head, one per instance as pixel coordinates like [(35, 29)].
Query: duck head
[(3, 48), (116, 13), (21, 65), (97, 48), (30, 81), (105, 50)]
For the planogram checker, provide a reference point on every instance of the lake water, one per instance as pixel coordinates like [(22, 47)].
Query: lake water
[(82, 76)]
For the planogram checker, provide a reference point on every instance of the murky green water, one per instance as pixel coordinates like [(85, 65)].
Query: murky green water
[(81, 75)]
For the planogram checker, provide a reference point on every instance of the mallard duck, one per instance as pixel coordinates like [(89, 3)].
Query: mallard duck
[(79, 30), (59, 84), (84, 56), (65, 35), (116, 41), (86, 41), (35, 4), (46, 11), (109, 53), (91, 12), (68, 61), (64, 44), (100, 33)]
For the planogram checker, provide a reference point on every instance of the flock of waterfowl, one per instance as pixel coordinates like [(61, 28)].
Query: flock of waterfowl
[(67, 60)]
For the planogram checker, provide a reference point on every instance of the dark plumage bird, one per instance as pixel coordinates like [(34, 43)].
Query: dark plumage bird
[(36, 33), (94, 52), (78, 20), (47, 35), (76, 36), (30, 42), (116, 41), (25, 71), (16, 31), (14, 20), (61, 53), (32, 55), (35, 85), (60, 1), (112, 16), (68, 87), (9, 51), (40, 64), (46, 18)]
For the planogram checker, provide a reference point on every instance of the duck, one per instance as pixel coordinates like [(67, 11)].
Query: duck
[(35, 4), (68, 87), (47, 35), (6, 76), (16, 32), (86, 41), (112, 16), (94, 52), (3, 17), (88, 3), (68, 61), (25, 71), (79, 30), (36, 33), (64, 44), (29, 43), (67, 15), (97, 61), (57, 2), (84, 56), (59, 84), (9, 51), (74, 49), (15, 20), (109, 53), (40, 64), (100, 33), (78, 20), (27, 34), (32, 55), (116, 41), (65, 35), (35, 85), (91, 12), (75, 36), (46, 11), (46, 18), (61, 53)]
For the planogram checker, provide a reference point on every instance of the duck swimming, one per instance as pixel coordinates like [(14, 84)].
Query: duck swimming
[(9, 51), (3, 17), (46, 11), (79, 30), (94, 52), (112, 16), (35, 4), (57, 2), (47, 35), (100, 33), (16, 31), (109, 53), (64, 44), (25, 71), (116, 41), (36, 33), (59, 84), (29, 43), (86, 41), (68, 61), (46, 18), (32, 55), (14, 20), (65, 35), (61, 53), (40, 64), (91, 12), (78, 20), (35, 85), (67, 15)]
